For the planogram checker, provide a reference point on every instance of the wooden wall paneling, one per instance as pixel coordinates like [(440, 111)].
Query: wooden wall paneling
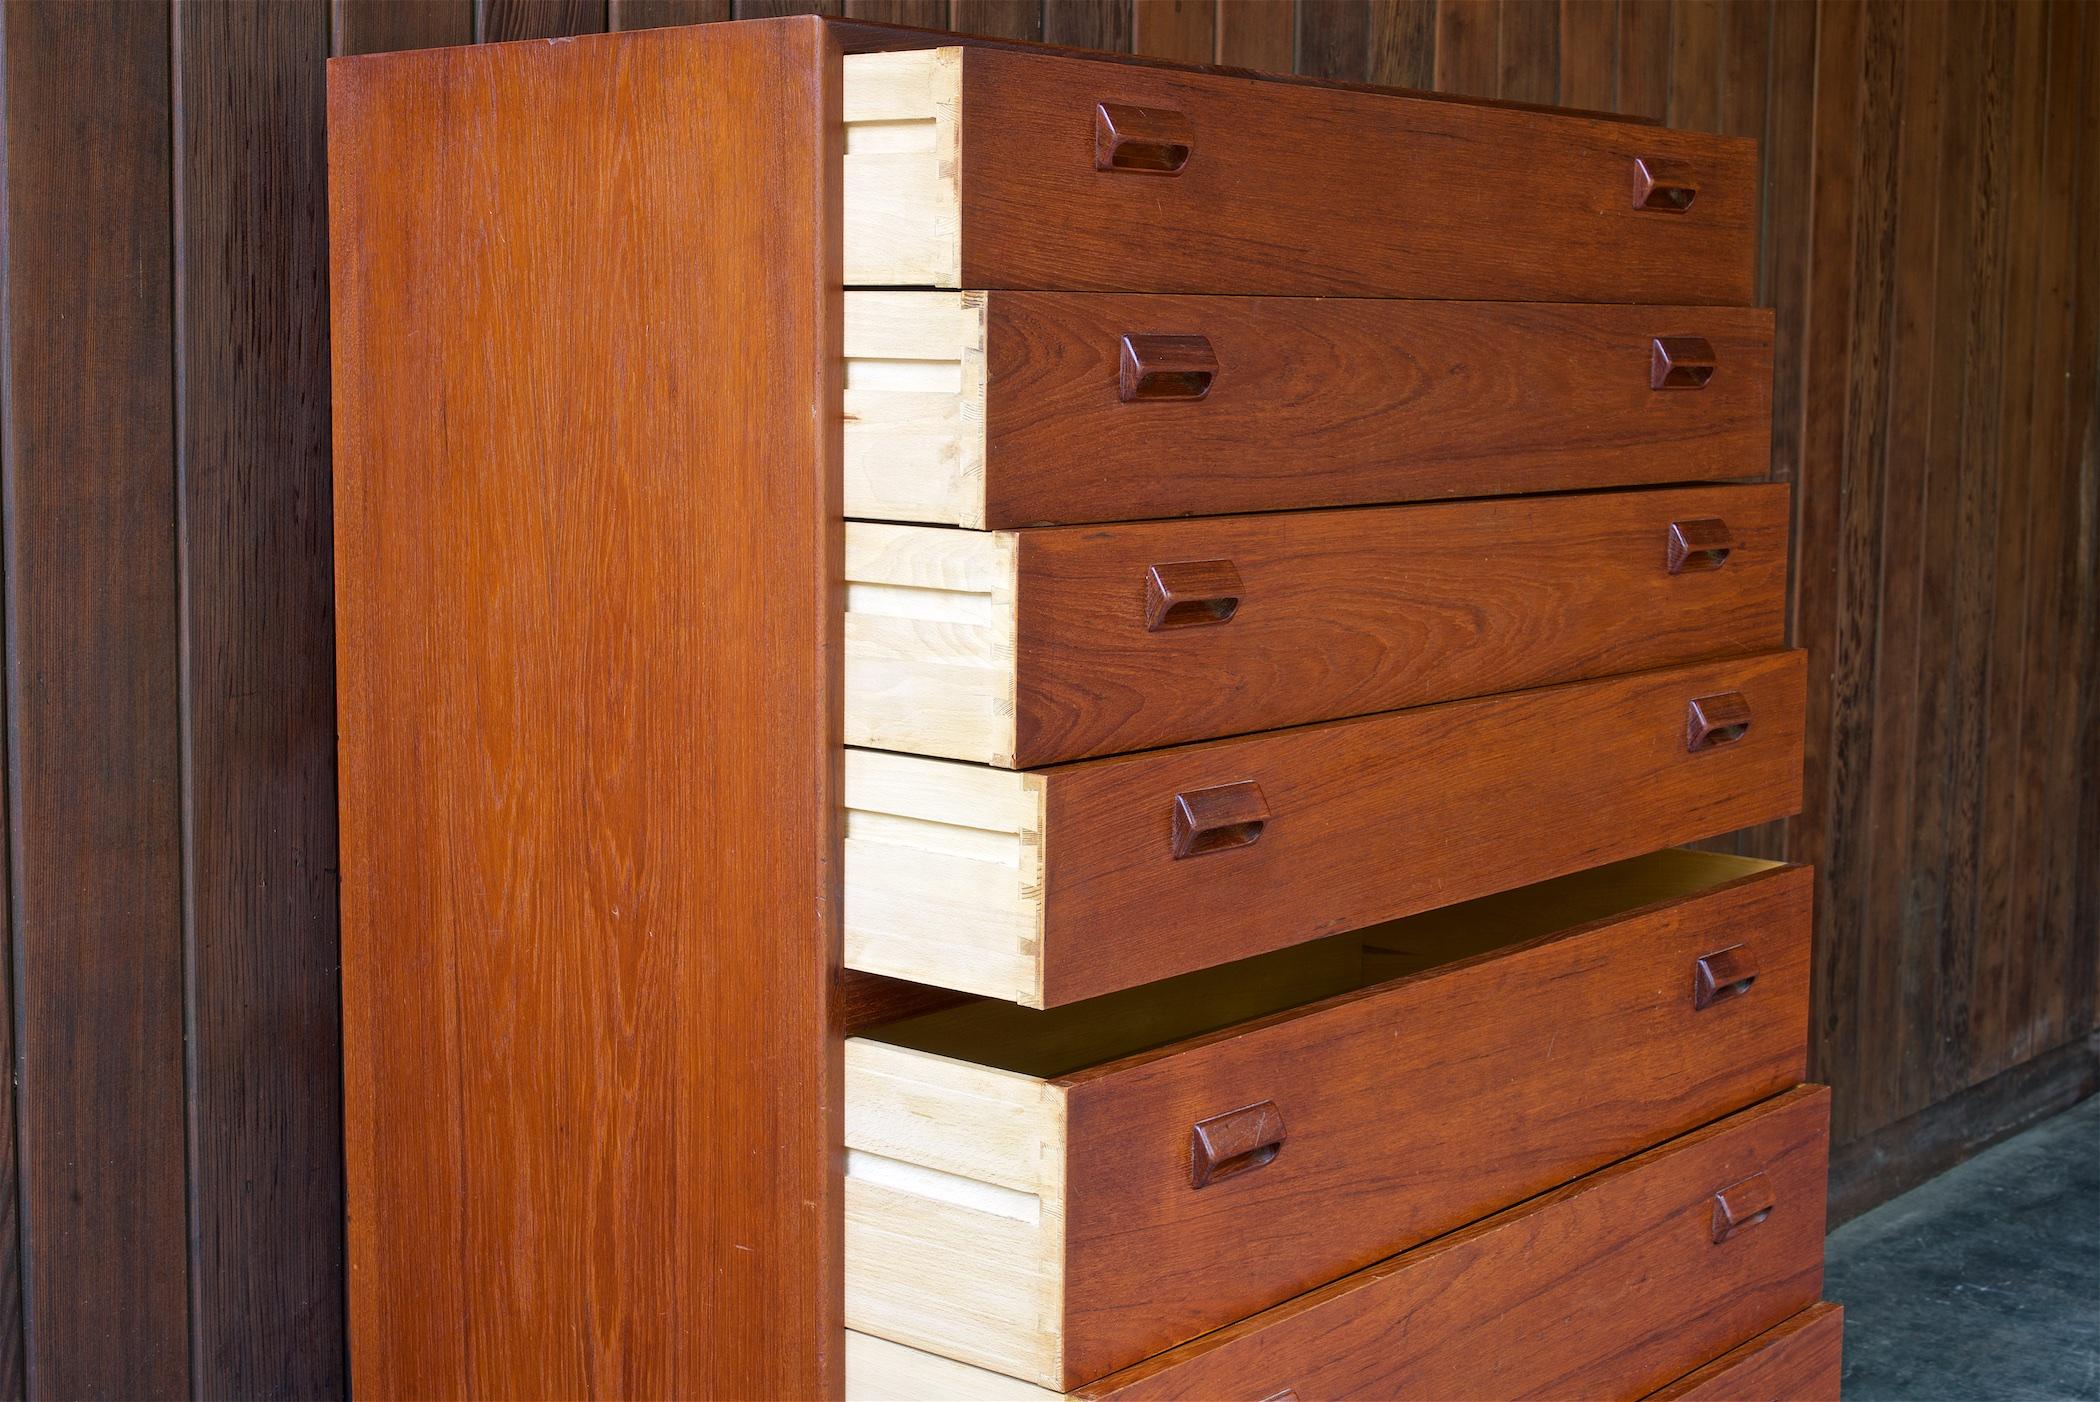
[(496, 21), (998, 19), (1529, 52), (1589, 54), (1468, 36), (1334, 40), (927, 14), (381, 26), (551, 1192), (1088, 24), (1827, 349), (13, 1385), (1695, 65), (1917, 886), (1258, 34), (1895, 639), (2035, 1004), (1184, 30), (655, 14), (2000, 859), (2079, 688), (1783, 281), (1956, 695), (92, 673), (1644, 58), (252, 463), (1403, 44)]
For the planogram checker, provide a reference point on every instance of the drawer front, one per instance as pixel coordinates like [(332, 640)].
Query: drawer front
[(1609, 1287), (1413, 1108), (1341, 402), (1198, 855), (1801, 1360), (1009, 409), (1080, 175), (1303, 617)]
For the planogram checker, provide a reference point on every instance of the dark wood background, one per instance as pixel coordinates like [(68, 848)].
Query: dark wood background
[(171, 1194)]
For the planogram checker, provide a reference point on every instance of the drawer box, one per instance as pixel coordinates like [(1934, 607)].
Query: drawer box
[(1049, 886), (1020, 648), (992, 168), (1026, 408), (1608, 1287), (1801, 1360)]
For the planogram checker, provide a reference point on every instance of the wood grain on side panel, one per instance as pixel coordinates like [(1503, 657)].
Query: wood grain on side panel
[(589, 713), (93, 687)]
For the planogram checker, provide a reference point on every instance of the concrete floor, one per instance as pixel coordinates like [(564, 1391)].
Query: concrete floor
[(1984, 1283)]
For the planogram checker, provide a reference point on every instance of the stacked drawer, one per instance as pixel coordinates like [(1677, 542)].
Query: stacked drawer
[(1294, 604)]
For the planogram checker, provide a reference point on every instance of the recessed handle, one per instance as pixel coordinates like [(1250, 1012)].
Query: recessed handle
[(1191, 594), (1741, 1206), (1218, 820), (1699, 545), (1680, 362), (1141, 140), (1167, 367), (1236, 1142), (1289, 1394), (1714, 721), (1721, 975), (1664, 185)]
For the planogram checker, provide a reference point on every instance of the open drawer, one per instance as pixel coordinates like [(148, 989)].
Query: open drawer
[(1048, 886), (990, 168), (1023, 648), (1055, 1195), (1029, 408)]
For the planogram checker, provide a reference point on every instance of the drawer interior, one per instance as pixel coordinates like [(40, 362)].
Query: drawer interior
[(1057, 1041)]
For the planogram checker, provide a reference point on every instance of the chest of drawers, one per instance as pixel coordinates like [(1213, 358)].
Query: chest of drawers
[(1019, 725)]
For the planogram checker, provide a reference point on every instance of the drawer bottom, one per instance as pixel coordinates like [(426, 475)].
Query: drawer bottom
[(1799, 1361)]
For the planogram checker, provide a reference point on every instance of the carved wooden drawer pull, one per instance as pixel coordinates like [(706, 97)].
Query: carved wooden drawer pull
[(1190, 594), (1142, 140), (1721, 975), (1714, 721), (1741, 1206), (1663, 185), (1680, 362), (1234, 1143), (1699, 545), (1219, 819), (1166, 367)]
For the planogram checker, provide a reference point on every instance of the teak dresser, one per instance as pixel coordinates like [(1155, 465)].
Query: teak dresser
[(1019, 724)]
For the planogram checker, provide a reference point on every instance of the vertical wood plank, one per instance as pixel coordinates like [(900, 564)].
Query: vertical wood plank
[(251, 387), (1995, 946), (590, 716), (1088, 24), (1403, 43), (2035, 1005), (1788, 232), (1589, 54), (383, 26), (496, 21), (1183, 30), (1257, 34), (1953, 844), (1334, 39), (1644, 58), (92, 687), (657, 14), (997, 19), (1893, 973), (1695, 65), (927, 14), (1468, 34), (1827, 354), (1530, 51), (1746, 91)]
